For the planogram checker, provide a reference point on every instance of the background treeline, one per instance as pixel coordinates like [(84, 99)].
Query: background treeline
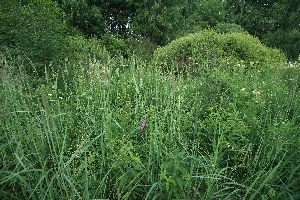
[(41, 30)]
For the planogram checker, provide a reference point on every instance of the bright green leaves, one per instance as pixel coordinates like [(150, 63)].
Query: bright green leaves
[(208, 48), (176, 174), (246, 47)]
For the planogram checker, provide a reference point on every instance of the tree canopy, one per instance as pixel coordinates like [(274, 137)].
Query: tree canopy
[(37, 28), (262, 17), (32, 28), (276, 22)]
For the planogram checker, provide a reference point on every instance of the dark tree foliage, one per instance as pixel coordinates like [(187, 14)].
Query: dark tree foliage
[(165, 20), (261, 17), (288, 41), (39, 27), (32, 29), (268, 20), (118, 15), (159, 20), (84, 16)]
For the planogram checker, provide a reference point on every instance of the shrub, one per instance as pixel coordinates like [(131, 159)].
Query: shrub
[(141, 47), (127, 47), (83, 49), (208, 48), (288, 41), (114, 45), (34, 30), (245, 47), (229, 28), (191, 50)]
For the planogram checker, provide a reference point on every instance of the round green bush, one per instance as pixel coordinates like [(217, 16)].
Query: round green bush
[(248, 48), (210, 49)]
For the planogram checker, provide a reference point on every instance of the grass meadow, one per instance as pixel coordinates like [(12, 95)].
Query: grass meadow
[(113, 128)]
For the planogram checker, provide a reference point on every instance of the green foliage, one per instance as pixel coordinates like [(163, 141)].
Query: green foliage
[(231, 132), (153, 21), (161, 22), (168, 20), (219, 135), (205, 13), (194, 49), (115, 45), (84, 17), (135, 45), (247, 48), (280, 30), (257, 17), (32, 29), (288, 41), (208, 48), (229, 28), (141, 47), (82, 49)]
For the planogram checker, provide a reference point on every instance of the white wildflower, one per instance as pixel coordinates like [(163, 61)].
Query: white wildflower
[(256, 92)]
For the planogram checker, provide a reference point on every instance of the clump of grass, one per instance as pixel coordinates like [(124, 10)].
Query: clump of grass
[(220, 135)]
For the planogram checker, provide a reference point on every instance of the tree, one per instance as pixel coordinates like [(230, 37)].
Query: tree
[(84, 16), (288, 41), (262, 17), (159, 20), (165, 20), (32, 28), (276, 22)]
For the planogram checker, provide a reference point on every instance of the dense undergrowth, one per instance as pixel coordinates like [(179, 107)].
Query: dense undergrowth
[(223, 134)]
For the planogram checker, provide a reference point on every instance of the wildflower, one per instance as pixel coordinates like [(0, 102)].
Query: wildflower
[(256, 92), (143, 124)]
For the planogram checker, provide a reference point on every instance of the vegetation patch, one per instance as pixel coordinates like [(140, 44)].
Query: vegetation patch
[(111, 128), (210, 49), (87, 112)]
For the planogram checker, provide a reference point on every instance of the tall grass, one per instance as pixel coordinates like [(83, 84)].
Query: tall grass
[(224, 134)]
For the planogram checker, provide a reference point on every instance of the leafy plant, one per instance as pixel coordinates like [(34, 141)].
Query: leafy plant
[(287, 41), (229, 28), (32, 30), (209, 49), (227, 133)]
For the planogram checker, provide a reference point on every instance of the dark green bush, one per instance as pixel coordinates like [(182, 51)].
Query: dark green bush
[(210, 49), (33, 30), (229, 28), (82, 49), (142, 48), (115, 45), (288, 41)]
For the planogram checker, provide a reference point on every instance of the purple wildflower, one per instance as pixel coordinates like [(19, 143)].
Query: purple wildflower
[(143, 124)]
